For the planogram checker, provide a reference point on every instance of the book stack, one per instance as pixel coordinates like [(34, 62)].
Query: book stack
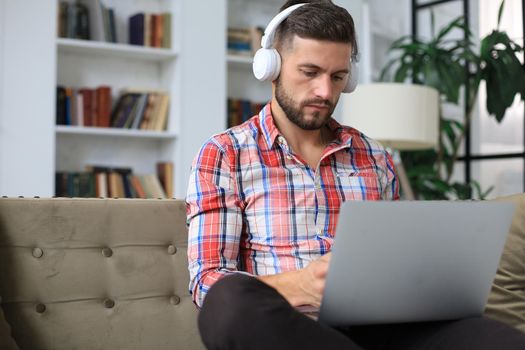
[(87, 19), (244, 41), (84, 106), (111, 182), (143, 110), (150, 29), (240, 110)]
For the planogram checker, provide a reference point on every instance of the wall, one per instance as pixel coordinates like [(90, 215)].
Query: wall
[(203, 79), (27, 114)]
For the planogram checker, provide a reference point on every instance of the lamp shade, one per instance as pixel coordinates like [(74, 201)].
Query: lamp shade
[(400, 116)]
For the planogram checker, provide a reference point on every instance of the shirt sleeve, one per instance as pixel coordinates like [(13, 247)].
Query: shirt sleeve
[(391, 191), (214, 218)]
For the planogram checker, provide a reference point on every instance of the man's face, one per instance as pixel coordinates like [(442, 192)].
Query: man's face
[(313, 75)]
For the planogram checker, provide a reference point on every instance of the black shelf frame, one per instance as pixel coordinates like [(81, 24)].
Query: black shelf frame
[(468, 158)]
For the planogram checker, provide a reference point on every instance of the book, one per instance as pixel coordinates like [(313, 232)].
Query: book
[(152, 186), (69, 97), (116, 188), (62, 19), (61, 106), (101, 184), (166, 29), (86, 184), (137, 187), (165, 175), (141, 107), (157, 30), (81, 19), (73, 107), (61, 184), (80, 107), (123, 109), (136, 29), (148, 112), (96, 19), (112, 26), (103, 107), (147, 29), (161, 117), (88, 106)]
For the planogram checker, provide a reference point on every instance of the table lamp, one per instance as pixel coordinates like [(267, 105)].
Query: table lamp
[(401, 116)]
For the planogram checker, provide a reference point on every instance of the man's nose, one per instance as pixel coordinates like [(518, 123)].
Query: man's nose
[(324, 87)]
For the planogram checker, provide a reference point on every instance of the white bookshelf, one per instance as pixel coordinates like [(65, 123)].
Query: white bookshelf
[(89, 64), (33, 61)]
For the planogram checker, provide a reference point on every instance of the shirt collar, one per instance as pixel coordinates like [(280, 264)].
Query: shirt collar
[(268, 127), (271, 133)]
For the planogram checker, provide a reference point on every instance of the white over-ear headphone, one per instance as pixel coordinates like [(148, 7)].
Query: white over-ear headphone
[(267, 61)]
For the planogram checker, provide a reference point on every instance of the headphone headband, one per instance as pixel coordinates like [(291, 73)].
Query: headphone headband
[(269, 32)]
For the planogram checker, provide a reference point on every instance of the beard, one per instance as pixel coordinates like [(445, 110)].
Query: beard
[(296, 114)]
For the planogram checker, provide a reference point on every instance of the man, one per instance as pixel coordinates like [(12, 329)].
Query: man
[(264, 197)]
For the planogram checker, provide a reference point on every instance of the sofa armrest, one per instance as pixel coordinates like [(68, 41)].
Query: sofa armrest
[(506, 302)]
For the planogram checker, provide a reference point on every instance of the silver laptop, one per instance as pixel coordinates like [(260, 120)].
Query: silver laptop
[(396, 262)]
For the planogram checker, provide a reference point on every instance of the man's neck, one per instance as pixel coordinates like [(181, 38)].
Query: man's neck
[(308, 144)]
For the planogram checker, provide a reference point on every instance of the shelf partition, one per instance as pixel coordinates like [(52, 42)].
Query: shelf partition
[(77, 46), (113, 132)]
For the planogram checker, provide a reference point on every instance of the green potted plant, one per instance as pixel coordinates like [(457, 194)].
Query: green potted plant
[(440, 62)]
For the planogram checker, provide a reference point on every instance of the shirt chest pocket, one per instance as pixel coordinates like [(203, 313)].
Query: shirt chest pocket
[(359, 186)]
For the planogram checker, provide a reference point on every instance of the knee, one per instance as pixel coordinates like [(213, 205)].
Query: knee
[(228, 303), (230, 295)]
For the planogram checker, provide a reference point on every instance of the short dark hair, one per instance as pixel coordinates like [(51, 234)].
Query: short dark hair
[(320, 20)]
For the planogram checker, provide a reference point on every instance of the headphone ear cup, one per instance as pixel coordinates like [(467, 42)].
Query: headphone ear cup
[(351, 84), (266, 64)]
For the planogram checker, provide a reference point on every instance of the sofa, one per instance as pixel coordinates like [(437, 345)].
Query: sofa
[(95, 274), (112, 274)]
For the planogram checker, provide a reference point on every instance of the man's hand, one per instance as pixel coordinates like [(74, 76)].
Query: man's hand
[(302, 287)]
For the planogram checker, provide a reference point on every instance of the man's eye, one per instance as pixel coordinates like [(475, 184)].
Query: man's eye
[(338, 77), (309, 73)]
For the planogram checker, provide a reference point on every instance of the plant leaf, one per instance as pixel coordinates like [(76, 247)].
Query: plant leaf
[(500, 12)]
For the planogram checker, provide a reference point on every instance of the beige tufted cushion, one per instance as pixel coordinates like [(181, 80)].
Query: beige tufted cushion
[(96, 274), (507, 298)]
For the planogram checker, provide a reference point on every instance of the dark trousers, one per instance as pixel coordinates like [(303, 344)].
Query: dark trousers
[(241, 312)]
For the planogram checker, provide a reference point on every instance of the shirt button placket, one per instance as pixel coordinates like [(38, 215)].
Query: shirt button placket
[(321, 206)]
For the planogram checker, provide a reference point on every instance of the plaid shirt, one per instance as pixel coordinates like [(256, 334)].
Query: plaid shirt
[(255, 206)]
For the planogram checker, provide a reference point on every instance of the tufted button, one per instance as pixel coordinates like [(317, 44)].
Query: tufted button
[(40, 308), (38, 252), (109, 303), (172, 249), (107, 252), (174, 300)]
